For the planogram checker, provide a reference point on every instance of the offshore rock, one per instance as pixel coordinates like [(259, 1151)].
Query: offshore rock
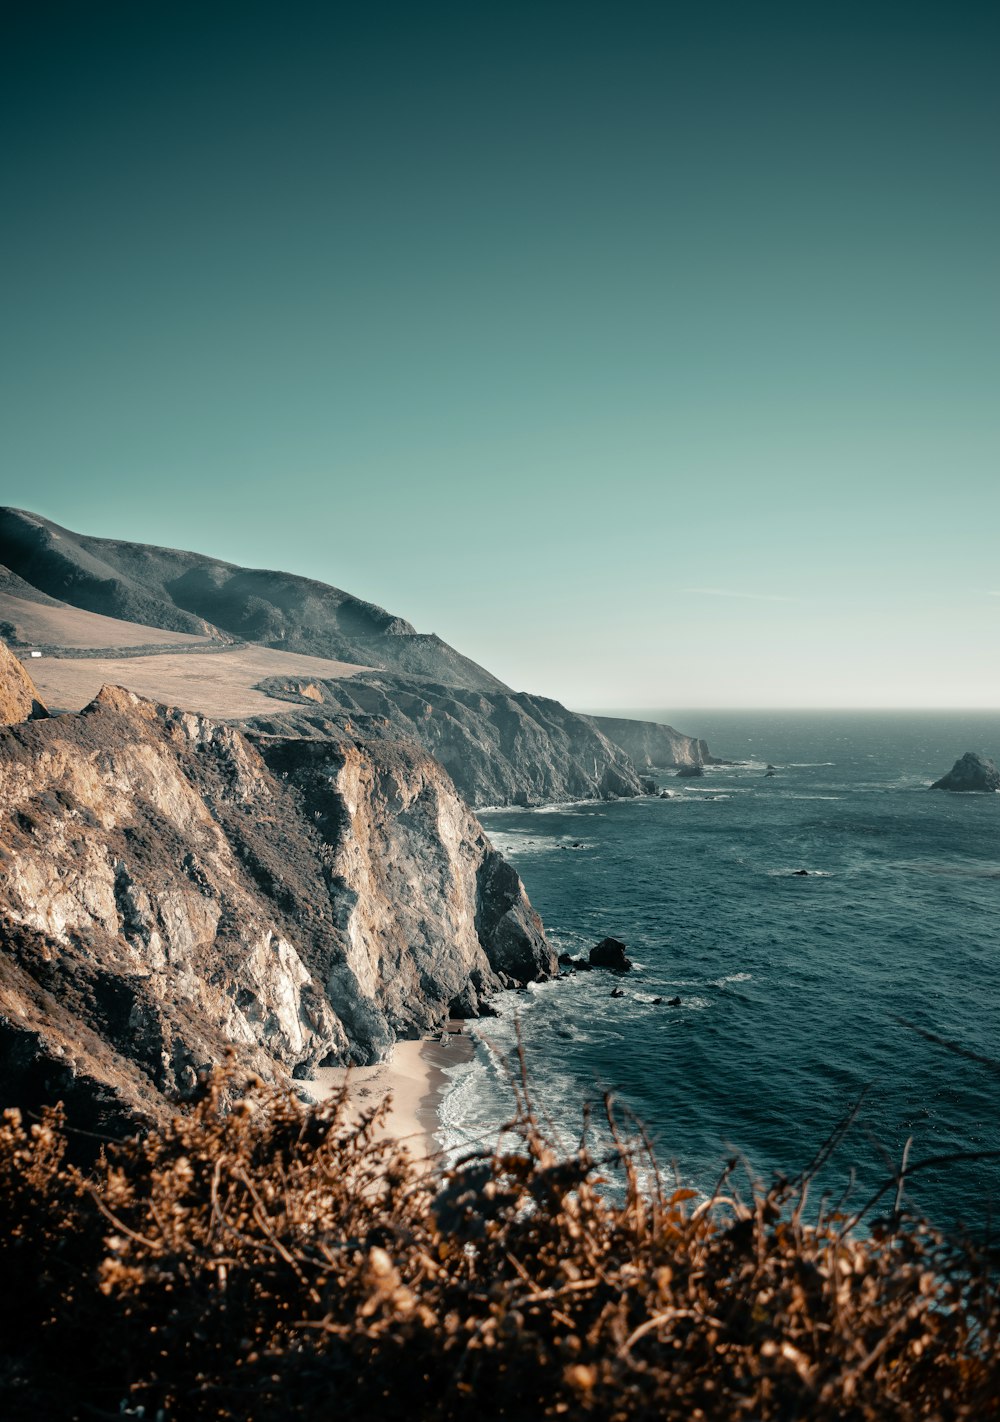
[(610, 953), (972, 772), (691, 772), (169, 890)]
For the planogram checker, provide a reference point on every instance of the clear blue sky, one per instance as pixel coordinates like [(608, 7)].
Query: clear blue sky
[(649, 354)]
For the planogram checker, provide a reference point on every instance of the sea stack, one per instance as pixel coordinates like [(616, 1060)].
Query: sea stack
[(972, 772)]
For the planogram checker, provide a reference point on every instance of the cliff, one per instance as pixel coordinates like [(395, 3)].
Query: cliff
[(500, 748), (169, 890), (19, 699), (648, 743), (190, 593)]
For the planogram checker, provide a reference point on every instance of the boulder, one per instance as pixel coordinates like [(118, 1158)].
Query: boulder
[(575, 965), (610, 953), (690, 772), (971, 772)]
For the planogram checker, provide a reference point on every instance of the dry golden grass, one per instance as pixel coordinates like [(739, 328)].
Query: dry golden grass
[(267, 1261)]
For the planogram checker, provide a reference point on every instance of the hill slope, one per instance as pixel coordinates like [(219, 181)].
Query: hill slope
[(194, 594), (372, 671)]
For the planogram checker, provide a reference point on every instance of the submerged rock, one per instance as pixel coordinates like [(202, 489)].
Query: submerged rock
[(971, 772), (610, 953), (575, 965)]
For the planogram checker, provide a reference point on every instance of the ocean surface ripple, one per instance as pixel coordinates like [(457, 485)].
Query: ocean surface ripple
[(798, 993)]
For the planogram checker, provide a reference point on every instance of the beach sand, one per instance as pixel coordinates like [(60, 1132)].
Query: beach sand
[(415, 1078)]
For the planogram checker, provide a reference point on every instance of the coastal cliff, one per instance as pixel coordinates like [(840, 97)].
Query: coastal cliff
[(169, 890), (500, 748), (80, 597), (651, 744)]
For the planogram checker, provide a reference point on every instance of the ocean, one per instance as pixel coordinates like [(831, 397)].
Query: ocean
[(800, 995)]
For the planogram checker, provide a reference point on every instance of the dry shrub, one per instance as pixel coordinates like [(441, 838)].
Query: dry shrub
[(269, 1261)]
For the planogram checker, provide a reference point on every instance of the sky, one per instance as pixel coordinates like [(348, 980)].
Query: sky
[(647, 353)]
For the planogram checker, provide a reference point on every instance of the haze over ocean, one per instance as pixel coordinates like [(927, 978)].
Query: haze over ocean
[(646, 353)]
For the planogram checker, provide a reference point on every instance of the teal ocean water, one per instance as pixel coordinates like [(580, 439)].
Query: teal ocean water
[(798, 993)]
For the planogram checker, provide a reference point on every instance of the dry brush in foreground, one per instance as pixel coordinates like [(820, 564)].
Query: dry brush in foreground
[(269, 1261)]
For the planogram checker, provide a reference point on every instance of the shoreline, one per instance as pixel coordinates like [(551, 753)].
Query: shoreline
[(415, 1076)]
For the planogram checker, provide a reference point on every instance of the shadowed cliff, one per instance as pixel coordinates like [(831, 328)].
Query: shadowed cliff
[(500, 747)]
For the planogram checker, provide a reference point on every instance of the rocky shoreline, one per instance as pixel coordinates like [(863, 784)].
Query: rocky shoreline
[(171, 890)]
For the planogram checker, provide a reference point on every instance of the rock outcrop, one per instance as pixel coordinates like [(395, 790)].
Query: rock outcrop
[(500, 748), (971, 772), (650, 744), (19, 699), (170, 889), (610, 953)]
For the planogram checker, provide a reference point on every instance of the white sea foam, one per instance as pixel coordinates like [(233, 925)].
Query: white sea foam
[(802, 795)]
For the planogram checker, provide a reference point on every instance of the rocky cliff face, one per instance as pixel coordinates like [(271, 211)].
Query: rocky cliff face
[(19, 699), (500, 748), (168, 890), (648, 743)]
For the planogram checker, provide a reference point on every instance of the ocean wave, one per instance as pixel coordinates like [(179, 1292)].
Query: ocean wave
[(804, 795)]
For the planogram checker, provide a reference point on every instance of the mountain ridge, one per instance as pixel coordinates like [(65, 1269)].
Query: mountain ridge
[(193, 593)]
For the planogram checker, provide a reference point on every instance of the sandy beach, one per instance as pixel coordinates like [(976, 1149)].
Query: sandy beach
[(414, 1076)]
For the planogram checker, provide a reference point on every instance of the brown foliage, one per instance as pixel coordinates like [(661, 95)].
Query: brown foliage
[(270, 1261)]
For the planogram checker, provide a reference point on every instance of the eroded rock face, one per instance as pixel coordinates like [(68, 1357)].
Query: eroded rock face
[(650, 743), (19, 699), (168, 890), (499, 747), (971, 772)]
